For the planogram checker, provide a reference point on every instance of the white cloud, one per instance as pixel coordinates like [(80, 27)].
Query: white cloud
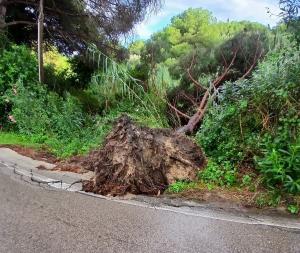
[(253, 10)]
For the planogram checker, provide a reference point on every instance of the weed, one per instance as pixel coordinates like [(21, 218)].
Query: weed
[(261, 201), (271, 199), (221, 175), (246, 180), (293, 209), (180, 186)]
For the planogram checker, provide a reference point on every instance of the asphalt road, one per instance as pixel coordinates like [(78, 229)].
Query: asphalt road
[(36, 219)]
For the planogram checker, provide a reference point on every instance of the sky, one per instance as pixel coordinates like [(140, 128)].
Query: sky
[(252, 10)]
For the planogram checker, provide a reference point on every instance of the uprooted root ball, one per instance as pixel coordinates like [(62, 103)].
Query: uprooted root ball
[(142, 160)]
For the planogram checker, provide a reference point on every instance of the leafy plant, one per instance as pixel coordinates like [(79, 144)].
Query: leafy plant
[(281, 168), (259, 117), (17, 64), (180, 186), (261, 201), (114, 82), (222, 175), (246, 180), (268, 199), (293, 209)]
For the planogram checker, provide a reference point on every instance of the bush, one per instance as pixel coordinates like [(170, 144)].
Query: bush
[(62, 122), (180, 186), (71, 122), (281, 167), (59, 122), (59, 75), (259, 118), (17, 64), (221, 175)]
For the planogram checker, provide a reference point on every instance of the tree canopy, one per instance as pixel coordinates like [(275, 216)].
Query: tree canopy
[(195, 32), (71, 25), (290, 9)]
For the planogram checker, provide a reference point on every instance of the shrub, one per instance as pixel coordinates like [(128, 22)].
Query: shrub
[(59, 75), (59, 122), (17, 64), (246, 180), (221, 175), (293, 209), (68, 122), (180, 186), (281, 167), (259, 118)]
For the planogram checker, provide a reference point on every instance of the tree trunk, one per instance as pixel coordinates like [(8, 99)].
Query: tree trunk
[(40, 41), (198, 116), (209, 94), (2, 14)]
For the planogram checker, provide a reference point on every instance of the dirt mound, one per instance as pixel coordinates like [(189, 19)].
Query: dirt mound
[(78, 164), (141, 160)]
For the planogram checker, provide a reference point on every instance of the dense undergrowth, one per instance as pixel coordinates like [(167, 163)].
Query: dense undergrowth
[(256, 121), (250, 132), (70, 123)]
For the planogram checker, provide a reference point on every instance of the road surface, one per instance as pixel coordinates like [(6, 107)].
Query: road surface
[(43, 219)]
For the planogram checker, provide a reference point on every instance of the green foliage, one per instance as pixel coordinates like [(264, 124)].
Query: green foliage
[(180, 186), (293, 209), (59, 62), (160, 81), (17, 64), (73, 122), (268, 199), (221, 175), (114, 83), (59, 122), (194, 33), (11, 138), (246, 180), (136, 48), (197, 42), (259, 117), (59, 75), (281, 167)]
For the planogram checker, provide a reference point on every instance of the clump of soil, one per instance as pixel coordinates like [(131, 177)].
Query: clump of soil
[(77, 164), (142, 160)]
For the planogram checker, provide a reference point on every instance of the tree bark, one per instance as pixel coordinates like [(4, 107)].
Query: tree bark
[(40, 41), (210, 93), (2, 14)]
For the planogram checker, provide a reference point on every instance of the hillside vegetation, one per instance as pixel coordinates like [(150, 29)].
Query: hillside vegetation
[(233, 87)]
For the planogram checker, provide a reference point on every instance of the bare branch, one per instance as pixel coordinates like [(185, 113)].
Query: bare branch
[(198, 116), (191, 77), (256, 58), (225, 72), (178, 111)]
